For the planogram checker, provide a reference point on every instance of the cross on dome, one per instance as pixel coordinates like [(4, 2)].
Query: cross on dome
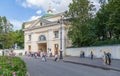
[(49, 10)]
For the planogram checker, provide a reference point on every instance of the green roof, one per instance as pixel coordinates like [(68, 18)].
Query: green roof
[(47, 15)]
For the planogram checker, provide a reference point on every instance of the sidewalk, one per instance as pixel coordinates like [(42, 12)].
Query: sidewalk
[(96, 62)]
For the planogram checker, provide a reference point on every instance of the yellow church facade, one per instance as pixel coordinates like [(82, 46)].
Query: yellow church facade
[(48, 33)]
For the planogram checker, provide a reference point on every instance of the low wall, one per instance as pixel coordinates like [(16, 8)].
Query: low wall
[(17, 52), (97, 51)]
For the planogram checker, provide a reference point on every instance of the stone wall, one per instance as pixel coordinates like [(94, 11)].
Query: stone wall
[(17, 52), (97, 51)]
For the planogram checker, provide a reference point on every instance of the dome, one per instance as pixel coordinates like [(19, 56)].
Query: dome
[(47, 15)]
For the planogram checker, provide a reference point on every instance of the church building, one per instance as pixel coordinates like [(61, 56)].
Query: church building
[(47, 33)]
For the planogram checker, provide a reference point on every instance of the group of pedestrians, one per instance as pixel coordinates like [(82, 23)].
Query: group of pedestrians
[(82, 55), (107, 58), (42, 55)]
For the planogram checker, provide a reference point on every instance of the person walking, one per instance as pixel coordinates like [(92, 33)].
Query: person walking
[(56, 57), (104, 58), (50, 53), (44, 56), (25, 53), (38, 54), (83, 54), (35, 54), (109, 58), (91, 55)]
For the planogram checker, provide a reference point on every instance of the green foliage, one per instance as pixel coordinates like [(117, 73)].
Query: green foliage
[(19, 38), (89, 30), (106, 42), (10, 65), (107, 21), (80, 14), (8, 37)]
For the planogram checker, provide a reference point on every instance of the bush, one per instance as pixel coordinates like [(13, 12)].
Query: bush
[(12, 65), (106, 42)]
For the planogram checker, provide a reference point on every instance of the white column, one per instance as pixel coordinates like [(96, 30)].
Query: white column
[(50, 39), (33, 43), (25, 43)]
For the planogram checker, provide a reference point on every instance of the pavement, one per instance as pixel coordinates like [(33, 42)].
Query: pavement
[(36, 67), (96, 62)]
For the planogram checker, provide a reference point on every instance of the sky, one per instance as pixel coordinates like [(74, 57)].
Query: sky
[(19, 11)]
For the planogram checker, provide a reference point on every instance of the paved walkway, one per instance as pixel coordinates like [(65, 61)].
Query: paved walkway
[(97, 62), (36, 67)]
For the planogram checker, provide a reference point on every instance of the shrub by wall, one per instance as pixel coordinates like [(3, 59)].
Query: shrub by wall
[(106, 42)]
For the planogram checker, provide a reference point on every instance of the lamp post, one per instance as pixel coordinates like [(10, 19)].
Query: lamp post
[(61, 49)]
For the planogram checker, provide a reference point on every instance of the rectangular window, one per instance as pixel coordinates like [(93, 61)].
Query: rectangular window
[(29, 37), (56, 33), (40, 23)]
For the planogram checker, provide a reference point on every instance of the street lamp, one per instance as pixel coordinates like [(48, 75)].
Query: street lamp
[(61, 49)]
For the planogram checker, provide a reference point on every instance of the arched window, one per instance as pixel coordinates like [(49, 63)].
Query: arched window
[(42, 38)]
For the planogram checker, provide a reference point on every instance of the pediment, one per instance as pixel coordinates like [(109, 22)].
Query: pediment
[(39, 23)]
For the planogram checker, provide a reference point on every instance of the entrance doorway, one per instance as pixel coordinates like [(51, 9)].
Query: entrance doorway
[(29, 48), (42, 47), (56, 49)]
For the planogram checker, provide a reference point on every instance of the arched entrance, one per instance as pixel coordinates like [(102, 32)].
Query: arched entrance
[(42, 47), (42, 43)]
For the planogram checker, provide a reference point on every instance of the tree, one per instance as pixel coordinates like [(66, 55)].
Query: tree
[(114, 17), (5, 36), (108, 16), (80, 15), (19, 38), (107, 22), (8, 37)]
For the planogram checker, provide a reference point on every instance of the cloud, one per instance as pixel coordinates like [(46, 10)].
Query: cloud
[(16, 24), (39, 12), (34, 17), (56, 5)]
